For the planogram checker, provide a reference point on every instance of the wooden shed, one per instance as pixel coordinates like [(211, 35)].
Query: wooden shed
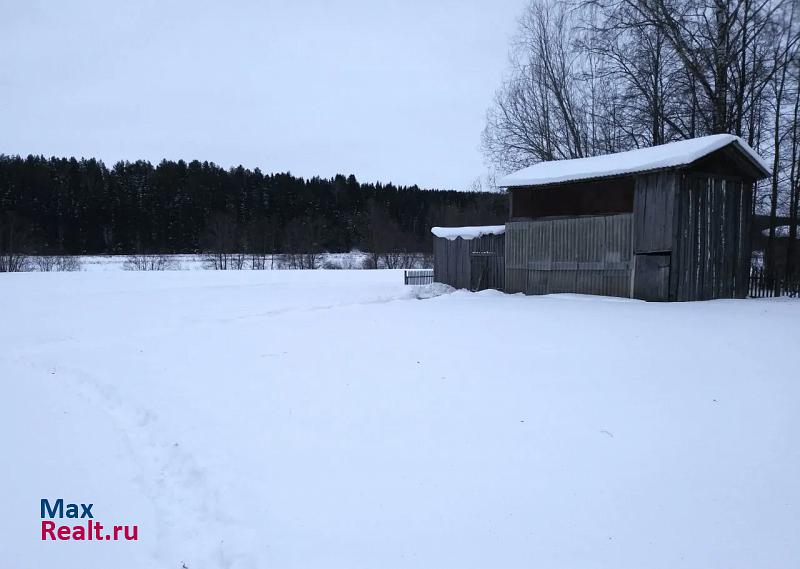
[(669, 222), (469, 257)]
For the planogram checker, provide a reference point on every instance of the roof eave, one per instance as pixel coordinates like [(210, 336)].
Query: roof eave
[(593, 178), (766, 173)]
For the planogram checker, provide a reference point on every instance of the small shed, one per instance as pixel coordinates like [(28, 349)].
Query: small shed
[(668, 222), (469, 257)]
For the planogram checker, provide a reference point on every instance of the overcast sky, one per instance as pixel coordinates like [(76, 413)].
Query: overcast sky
[(387, 90)]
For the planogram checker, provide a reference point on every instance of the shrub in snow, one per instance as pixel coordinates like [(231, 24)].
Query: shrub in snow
[(150, 263), (372, 261), (59, 263), (14, 263), (222, 261), (262, 261), (68, 263), (301, 260), (354, 260), (398, 260)]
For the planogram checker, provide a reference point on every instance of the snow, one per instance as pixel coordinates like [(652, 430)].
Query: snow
[(668, 155), (179, 262), (780, 231), (197, 262), (332, 419), (470, 232)]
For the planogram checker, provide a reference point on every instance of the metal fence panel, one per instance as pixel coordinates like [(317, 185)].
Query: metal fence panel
[(589, 255)]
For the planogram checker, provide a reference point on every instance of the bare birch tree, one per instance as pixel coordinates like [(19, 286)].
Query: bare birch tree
[(597, 76)]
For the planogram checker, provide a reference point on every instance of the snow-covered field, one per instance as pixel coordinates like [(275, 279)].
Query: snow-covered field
[(187, 262), (195, 262), (323, 419)]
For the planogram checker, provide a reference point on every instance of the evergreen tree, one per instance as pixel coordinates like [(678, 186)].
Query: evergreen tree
[(81, 207)]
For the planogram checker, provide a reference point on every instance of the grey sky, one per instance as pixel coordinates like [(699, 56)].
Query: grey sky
[(387, 90)]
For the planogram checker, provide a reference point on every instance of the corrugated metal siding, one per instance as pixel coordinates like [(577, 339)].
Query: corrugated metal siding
[(470, 263), (589, 255)]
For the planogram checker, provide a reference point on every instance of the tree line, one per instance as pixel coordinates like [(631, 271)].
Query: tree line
[(591, 77), (67, 206)]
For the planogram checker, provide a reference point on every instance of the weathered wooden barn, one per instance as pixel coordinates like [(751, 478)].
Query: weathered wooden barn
[(669, 222)]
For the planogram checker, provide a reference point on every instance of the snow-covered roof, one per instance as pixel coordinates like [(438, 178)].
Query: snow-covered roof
[(472, 232), (669, 155)]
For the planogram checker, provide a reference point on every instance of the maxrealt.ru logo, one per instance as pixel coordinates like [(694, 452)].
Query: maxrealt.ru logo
[(86, 530)]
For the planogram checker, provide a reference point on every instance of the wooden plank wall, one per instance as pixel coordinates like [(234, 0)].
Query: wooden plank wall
[(453, 261), (487, 270), (653, 211), (589, 255), (653, 233), (711, 250), (651, 277)]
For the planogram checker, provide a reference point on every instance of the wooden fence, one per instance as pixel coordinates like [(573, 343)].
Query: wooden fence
[(418, 276), (474, 264), (762, 285)]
